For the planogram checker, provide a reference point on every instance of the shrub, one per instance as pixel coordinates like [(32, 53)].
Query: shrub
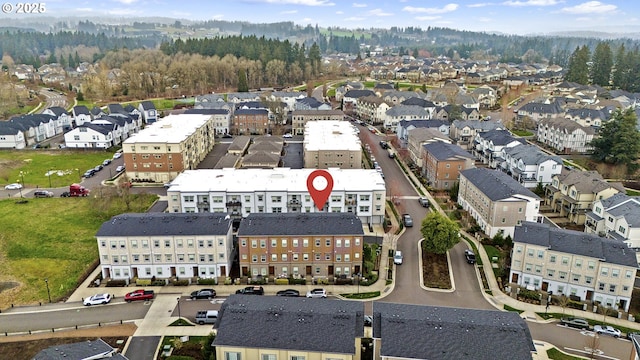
[(212, 281), (301, 281), (371, 279), (181, 283), (116, 283), (322, 281), (529, 294), (258, 281), (158, 283), (345, 281), (143, 282), (282, 281), (228, 281)]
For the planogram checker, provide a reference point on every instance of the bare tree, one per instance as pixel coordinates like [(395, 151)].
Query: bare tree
[(592, 345)]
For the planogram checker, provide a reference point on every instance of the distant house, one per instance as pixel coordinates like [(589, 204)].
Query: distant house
[(310, 103), (287, 97), (62, 121), (402, 331), (11, 137), (116, 109), (404, 112), (443, 162), (464, 132), (420, 136), (299, 118), (496, 201), (371, 109), (148, 112), (298, 328), (539, 111), (404, 126), (240, 97), (221, 118), (350, 98), (251, 122), (84, 350), (616, 217), (489, 145)]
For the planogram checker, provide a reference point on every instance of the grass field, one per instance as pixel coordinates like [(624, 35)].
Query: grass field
[(65, 166), (51, 238)]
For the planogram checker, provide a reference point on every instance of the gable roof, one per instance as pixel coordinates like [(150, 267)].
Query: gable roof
[(530, 154), (6, 128), (256, 224), (358, 93), (57, 110), (477, 124), (241, 111), (587, 181), (323, 326), (408, 110), (208, 111), (443, 151), (81, 110), (433, 123), (566, 125), (147, 105), (158, 224), (495, 184), (575, 242), (500, 137), (116, 108), (419, 102), (431, 332)]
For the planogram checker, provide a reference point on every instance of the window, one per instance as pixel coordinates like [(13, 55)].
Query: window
[(612, 288), (563, 274), (338, 242), (254, 243), (269, 357), (604, 271), (615, 273), (274, 257), (591, 265), (263, 243), (576, 278), (540, 254), (284, 243), (254, 258), (601, 286), (578, 263), (134, 244), (550, 273), (328, 242), (297, 357), (538, 269), (305, 242), (200, 243), (588, 280), (232, 356), (627, 274), (284, 257), (527, 267), (295, 242), (317, 242), (565, 260), (530, 252), (552, 259), (519, 249)]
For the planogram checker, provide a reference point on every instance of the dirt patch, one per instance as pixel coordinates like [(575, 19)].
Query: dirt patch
[(435, 270), (25, 347)]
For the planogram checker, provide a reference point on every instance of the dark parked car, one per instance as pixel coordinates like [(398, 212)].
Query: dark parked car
[(203, 294), (407, 220), (573, 322), (368, 320), (65, 194), (288, 292), (251, 290), (383, 144), (470, 256), (89, 173), (97, 168)]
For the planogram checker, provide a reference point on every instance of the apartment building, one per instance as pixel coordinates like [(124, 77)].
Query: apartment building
[(463, 132), (299, 118), (616, 217), (573, 263), (565, 136), (417, 137), (372, 109), (221, 118), (251, 122), (443, 162), (287, 328), (240, 192), (403, 331), (496, 201), (163, 246), (313, 245), (169, 146), (331, 144), (488, 146), (573, 192)]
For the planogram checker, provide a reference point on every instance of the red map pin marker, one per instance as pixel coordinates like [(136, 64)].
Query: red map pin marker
[(319, 196)]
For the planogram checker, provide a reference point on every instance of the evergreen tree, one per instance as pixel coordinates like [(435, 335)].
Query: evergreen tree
[(621, 68), (242, 81), (578, 70), (602, 64), (619, 141)]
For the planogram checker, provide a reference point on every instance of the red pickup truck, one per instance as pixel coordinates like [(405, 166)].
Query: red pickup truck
[(139, 295)]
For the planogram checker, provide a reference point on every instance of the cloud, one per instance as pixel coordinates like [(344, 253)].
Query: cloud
[(447, 8), (427, 18), (84, 9), (121, 12), (127, 2), (294, 2), (356, 5), (354, 18), (485, 19), (532, 3), (378, 12), (289, 12), (590, 7), (339, 12), (479, 5)]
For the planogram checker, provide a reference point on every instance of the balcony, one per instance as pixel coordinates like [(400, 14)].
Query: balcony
[(233, 203), (350, 202), (294, 202)]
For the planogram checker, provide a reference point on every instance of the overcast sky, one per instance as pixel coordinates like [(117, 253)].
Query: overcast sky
[(510, 16)]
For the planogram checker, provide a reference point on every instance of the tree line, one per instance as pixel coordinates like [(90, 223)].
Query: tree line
[(603, 68)]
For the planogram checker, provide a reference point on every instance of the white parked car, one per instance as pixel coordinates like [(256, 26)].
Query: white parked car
[(13, 186), (120, 168), (317, 293), (607, 330), (397, 258), (287, 135), (117, 155), (97, 299)]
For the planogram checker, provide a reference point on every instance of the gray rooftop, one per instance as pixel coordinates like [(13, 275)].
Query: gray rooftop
[(587, 181), (443, 151), (314, 325), (565, 125), (477, 124), (430, 332), (575, 242), (92, 349), (500, 137), (408, 110), (626, 207), (258, 224), (157, 224), (530, 154), (495, 184)]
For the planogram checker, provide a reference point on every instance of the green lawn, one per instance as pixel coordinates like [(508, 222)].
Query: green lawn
[(556, 354), (492, 251), (522, 132), (52, 238), (65, 166)]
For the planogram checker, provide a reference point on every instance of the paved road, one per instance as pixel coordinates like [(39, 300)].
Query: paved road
[(142, 347), (53, 98)]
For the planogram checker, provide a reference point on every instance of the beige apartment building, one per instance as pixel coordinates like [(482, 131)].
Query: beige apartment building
[(331, 144), (443, 162), (299, 118), (573, 263), (167, 147), (573, 192), (496, 201), (311, 245), (165, 246)]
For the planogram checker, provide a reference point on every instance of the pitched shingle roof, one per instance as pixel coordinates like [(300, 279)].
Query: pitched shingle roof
[(430, 332), (158, 224), (495, 184), (500, 137), (477, 124), (443, 151), (358, 93), (314, 325), (408, 110), (92, 349), (530, 154), (587, 181), (575, 242), (300, 224)]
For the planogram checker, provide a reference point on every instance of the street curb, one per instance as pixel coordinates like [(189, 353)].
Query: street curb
[(453, 283)]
